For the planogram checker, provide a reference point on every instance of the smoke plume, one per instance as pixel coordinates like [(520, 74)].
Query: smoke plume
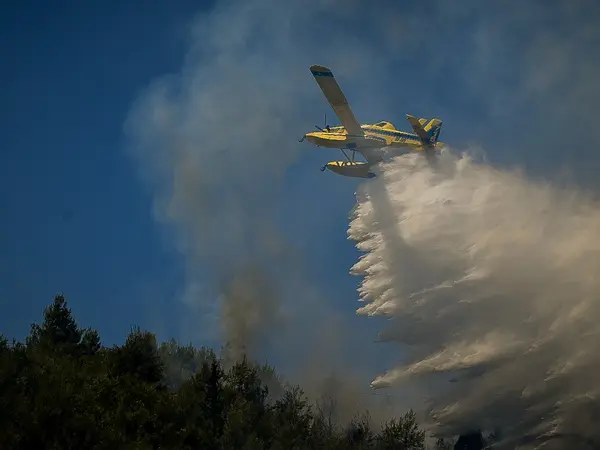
[(476, 266), (491, 282), (213, 142)]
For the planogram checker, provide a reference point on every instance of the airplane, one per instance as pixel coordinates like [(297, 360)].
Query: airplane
[(367, 139)]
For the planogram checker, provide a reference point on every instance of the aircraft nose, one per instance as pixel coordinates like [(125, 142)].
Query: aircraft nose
[(333, 166)]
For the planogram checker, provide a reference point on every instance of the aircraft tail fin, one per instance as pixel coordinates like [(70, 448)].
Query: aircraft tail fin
[(427, 129)]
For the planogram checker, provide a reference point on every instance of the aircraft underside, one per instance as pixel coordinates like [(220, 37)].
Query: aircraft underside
[(339, 140)]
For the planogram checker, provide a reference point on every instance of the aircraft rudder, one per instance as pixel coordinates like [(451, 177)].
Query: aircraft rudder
[(433, 129)]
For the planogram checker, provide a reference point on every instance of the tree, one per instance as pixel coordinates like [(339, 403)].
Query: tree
[(139, 357), (59, 329), (11, 404), (402, 434), (90, 342), (291, 420), (181, 362), (201, 406), (442, 444), (359, 433), (246, 423), (62, 389)]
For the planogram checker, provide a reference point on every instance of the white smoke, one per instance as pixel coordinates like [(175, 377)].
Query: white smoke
[(491, 281), (213, 142)]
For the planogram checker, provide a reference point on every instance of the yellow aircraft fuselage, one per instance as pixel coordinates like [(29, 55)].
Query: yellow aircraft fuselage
[(375, 137)]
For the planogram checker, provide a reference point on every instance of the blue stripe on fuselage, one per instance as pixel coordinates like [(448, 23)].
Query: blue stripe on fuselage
[(322, 74), (393, 133), (375, 138)]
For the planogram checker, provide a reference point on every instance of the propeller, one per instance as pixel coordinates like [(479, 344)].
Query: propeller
[(326, 127)]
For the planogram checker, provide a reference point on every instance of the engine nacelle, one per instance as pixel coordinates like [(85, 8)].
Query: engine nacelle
[(350, 169)]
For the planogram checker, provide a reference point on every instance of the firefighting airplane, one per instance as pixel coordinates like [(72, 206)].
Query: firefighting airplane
[(368, 140)]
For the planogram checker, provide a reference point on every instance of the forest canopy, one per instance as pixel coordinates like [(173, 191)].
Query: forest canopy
[(63, 389)]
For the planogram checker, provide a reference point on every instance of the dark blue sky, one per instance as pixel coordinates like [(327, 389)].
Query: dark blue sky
[(76, 217)]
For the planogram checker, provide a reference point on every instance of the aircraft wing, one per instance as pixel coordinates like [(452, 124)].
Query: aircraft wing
[(336, 98)]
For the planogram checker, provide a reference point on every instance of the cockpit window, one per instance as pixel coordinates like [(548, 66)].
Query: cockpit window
[(382, 124)]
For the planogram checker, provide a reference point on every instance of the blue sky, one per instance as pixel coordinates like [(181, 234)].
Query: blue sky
[(125, 249), (75, 217)]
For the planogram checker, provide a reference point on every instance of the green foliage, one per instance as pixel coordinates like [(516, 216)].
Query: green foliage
[(58, 331), (359, 434), (402, 434), (63, 389), (139, 358)]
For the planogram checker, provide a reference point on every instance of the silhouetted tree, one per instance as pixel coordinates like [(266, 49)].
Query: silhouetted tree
[(90, 342), (359, 433), (291, 420), (402, 434), (58, 330), (63, 389), (139, 357)]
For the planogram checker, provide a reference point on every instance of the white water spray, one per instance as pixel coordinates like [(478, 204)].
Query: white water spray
[(492, 282)]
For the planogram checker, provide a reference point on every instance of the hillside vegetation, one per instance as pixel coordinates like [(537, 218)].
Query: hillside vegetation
[(62, 389)]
